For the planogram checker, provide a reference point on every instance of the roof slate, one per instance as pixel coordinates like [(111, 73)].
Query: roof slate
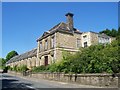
[(60, 27), (23, 56)]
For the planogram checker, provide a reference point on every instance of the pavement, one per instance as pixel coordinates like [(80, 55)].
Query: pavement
[(11, 82)]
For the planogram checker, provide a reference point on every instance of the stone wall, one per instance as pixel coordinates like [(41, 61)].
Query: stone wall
[(67, 41), (62, 42), (103, 80), (93, 38)]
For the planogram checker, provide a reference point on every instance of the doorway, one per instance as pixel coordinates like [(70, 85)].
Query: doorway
[(46, 60)]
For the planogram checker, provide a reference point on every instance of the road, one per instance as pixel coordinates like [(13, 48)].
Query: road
[(13, 82)]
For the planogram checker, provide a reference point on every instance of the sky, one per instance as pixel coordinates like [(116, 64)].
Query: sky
[(24, 22)]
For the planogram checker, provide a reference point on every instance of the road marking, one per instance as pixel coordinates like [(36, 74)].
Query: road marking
[(62, 83), (29, 86)]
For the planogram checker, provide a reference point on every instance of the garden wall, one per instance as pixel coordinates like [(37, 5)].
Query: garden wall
[(103, 80)]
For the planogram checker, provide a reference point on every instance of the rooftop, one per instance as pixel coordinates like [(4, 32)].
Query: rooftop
[(25, 55)]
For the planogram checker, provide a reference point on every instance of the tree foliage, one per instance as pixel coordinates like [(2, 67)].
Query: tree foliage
[(94, 59), (10, 55), (2, 63), (108, 32)]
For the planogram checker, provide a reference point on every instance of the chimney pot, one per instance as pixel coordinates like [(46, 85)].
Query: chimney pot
[(70, 20), (70, 14)]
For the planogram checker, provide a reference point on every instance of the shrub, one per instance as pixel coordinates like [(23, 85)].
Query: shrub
[(19, 68), (22, 68), (39, 69), (94, 59)]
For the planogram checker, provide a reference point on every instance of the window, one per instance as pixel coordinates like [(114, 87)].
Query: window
[(40, 46), (52, 42), (85, 37), (85, 44), (46, 44), (78, 43), (100, 39)]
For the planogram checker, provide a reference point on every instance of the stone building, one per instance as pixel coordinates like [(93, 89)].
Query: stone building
[(62, 37), (93, 38), (27, 58)]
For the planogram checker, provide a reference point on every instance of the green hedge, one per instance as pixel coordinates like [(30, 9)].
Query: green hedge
[(94, 59), (18, 68)]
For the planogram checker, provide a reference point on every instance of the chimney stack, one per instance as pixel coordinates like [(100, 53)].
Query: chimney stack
[(70, 20)]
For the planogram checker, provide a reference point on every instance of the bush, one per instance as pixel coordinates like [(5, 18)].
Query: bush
[(39, 69), (22, 68), (16, 68), (94, 59)]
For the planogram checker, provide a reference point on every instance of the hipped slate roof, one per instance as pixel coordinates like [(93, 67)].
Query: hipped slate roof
[(60, 27), (103, 35), (23, 56)]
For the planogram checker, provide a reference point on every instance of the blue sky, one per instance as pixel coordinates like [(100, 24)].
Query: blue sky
[(23, 23)]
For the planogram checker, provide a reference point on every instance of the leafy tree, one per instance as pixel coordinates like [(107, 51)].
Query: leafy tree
[(114, 33), (2, 63), (10, 55), (108, 32)]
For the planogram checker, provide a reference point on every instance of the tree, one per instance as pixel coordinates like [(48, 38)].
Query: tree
[(114, 33), (108, 32), (10, 55), (119, 31), (2, 63)]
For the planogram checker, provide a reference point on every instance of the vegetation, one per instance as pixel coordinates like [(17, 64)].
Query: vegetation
[(16, 68), (113, 32), (94, 59), (2, 63), (39, 68), (10, 55)]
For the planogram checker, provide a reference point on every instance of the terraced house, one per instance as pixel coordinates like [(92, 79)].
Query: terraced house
[(53, 42)]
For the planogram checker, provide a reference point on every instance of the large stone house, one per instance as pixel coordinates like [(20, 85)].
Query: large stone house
[(62, 37)]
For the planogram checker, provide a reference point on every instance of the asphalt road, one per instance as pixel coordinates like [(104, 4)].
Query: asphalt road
[(10, 82)]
